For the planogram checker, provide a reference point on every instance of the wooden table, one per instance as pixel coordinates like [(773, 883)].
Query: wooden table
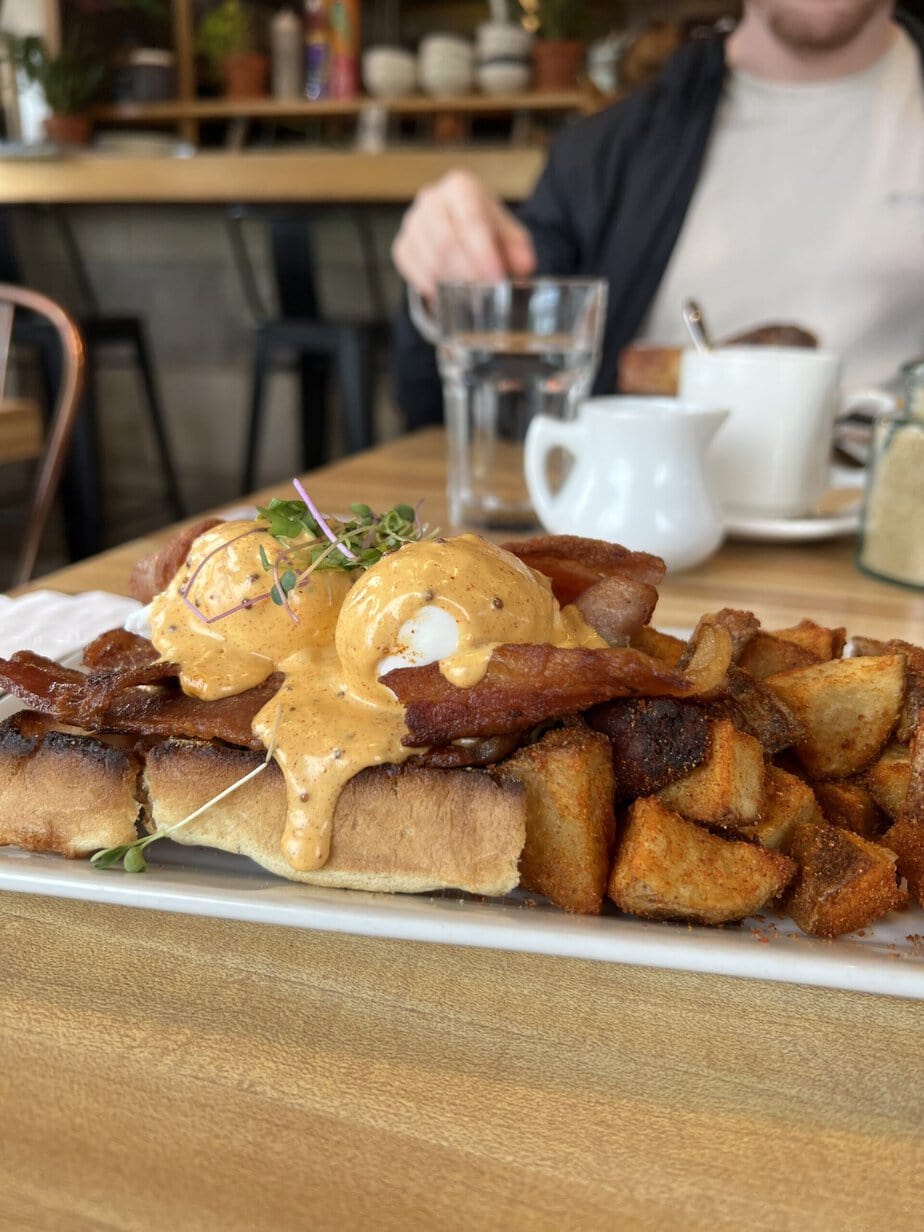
[(305, 177), (161, 1071)]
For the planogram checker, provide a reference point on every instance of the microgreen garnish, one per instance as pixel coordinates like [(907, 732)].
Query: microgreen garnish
[(310, 540), (131, 855)]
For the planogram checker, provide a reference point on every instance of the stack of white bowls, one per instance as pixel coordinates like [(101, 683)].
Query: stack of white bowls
[(445, 65), (504, 58), (389, 72)]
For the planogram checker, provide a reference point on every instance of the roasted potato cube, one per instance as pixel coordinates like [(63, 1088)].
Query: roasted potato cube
[(757, 711), (850, 806), (767, 654), (741, 626), (662, 646), (906, 837), (823, 643), (887, 779), (788, 802), (848, 708), (570, 826), (913, 707), (655, 740), (844, 881), (668, 868), (728, 788)]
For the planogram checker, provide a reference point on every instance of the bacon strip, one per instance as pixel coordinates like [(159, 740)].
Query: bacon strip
[(153, 573), (106, 703), (523, 686), (119, 649), (574, 564)]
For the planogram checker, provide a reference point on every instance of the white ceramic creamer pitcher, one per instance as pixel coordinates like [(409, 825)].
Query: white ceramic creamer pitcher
[(638, 476)]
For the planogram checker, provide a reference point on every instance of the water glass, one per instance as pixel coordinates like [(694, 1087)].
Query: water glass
[(507, 351)]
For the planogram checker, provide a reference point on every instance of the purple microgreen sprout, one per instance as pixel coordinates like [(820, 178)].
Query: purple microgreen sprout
[(309, 541)]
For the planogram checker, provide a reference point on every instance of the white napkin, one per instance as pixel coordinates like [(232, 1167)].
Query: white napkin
[(57, 625)]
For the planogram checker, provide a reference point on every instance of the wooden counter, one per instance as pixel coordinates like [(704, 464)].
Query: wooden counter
[(310, 176), (164, 1071)]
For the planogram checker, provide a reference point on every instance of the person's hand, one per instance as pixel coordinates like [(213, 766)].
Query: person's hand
[(455, 230)]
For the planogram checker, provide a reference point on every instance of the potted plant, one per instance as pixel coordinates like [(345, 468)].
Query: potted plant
[(69, 80), (227, 40), (558, 51)]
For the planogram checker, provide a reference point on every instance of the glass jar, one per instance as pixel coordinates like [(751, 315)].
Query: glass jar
[(891, 543)]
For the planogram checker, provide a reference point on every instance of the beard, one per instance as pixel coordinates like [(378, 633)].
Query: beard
[(818, 25)]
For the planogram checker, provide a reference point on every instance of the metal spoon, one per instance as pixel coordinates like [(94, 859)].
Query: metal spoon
[(696, 326)]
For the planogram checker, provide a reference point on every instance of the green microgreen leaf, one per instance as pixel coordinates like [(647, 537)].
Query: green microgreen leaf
[(134, 861)]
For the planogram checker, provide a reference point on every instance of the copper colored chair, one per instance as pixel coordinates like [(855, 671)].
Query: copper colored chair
[(22, 435)]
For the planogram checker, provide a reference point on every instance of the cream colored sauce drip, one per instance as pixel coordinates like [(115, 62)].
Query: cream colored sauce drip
[(332, 717)]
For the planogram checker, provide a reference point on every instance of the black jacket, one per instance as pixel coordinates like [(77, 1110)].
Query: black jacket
[(611, 201)]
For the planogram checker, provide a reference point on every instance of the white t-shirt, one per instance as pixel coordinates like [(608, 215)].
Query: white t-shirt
[(810, 210)]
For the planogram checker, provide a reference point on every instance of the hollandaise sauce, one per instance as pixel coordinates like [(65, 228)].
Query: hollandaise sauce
[(449, 601)]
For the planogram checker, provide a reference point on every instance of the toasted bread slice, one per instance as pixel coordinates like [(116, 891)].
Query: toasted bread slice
[(64, 792), (395, 829)]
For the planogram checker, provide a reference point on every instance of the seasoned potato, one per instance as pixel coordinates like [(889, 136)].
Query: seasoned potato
[(659, 645), (848, 707), (767, 654), (844, 881), (850, 806), (914, 692), (668, 868), (788, 802), (823, 643), (741, 626), (906, 837), (655, 740), (887, 779), (570, 824), (755, 709), (728, 788)]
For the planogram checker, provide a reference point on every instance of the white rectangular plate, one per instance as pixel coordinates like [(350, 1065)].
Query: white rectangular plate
[(887, 958)]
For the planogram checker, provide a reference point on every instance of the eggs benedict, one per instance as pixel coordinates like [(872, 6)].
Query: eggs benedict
[(446, 601)]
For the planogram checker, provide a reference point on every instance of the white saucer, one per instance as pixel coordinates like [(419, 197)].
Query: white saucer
[(822, 524)]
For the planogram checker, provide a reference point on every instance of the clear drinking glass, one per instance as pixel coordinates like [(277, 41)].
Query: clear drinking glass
[(507, 351)]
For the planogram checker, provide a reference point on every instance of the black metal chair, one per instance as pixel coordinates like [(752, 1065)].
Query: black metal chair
[(322, 349), (81, 484)]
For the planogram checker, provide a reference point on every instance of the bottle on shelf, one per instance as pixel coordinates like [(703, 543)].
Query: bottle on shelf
[(287, 54), (344, 48), (317, 48)]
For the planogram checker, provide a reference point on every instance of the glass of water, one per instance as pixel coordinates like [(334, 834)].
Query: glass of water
[(507, 351)]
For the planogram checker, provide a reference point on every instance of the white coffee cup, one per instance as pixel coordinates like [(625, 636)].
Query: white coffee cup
[(771, 458), (638, 476)]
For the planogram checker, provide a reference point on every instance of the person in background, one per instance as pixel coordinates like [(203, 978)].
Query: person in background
[(774, 174)]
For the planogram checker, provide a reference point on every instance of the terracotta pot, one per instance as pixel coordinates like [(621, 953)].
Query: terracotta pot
[(68, 129), (557, 63), (246, 74)]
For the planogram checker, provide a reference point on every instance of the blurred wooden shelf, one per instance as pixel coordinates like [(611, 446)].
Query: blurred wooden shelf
[(199, 109)]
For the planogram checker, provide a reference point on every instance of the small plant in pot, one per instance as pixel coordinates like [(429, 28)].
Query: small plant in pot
[(227, 40), (558, 51), (70, 82)]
